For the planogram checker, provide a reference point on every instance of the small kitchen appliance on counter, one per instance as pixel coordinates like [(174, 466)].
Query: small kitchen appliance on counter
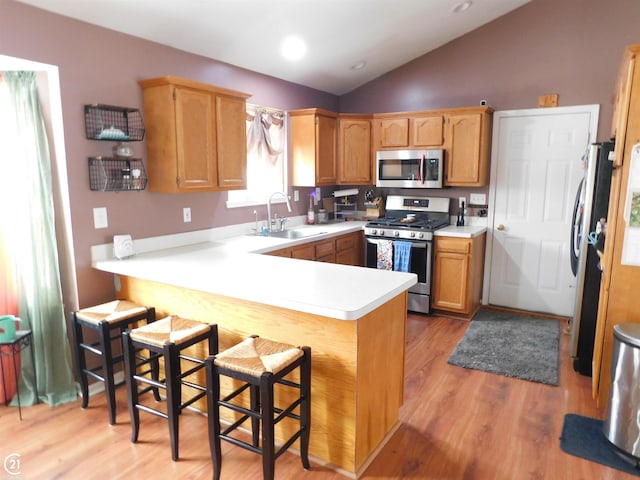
[(413, 220)]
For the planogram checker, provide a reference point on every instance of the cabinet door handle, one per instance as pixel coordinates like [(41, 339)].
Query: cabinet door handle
[(500, 227)]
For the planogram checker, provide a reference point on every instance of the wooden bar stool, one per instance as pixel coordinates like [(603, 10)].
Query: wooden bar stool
[(166, 338), (108, 320), (260, 364)]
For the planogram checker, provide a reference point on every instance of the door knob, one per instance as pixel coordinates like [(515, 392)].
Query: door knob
[(500, 227)]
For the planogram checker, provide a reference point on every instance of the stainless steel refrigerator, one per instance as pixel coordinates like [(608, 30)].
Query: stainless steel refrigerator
[(587, 246)]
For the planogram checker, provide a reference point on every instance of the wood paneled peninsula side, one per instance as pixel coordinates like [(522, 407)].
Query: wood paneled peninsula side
[(353, 319)]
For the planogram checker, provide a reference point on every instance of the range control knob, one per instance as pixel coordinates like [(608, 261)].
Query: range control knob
[(421, 235), (412, 234), (381, 232), (396, 234), (373, 231)]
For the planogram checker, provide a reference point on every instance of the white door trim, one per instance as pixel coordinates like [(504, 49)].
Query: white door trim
[(594, 110)]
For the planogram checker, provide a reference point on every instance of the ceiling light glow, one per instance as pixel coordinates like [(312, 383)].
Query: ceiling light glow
[(359, 65), (293, 48), (461, 7)]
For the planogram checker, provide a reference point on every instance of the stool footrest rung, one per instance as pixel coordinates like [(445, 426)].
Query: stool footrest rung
[(241, 444), (288, 443), (93, 372), (195, 386), (287, 412), (193, 399), (239, 409), (151, 382), (235, 425), (91, 347), (152, 411), (191, 370)]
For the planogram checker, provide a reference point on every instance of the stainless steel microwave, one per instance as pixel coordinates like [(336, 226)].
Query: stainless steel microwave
[(410, 168)]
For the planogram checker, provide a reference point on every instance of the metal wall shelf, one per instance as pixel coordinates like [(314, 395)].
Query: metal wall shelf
[(114, 124), (107, 174)]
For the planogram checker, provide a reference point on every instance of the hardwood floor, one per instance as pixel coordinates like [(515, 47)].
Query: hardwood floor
[(455, 424)]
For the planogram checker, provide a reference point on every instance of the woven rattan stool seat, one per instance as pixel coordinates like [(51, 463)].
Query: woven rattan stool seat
[(172, 329), (111, 311), (256, 355)]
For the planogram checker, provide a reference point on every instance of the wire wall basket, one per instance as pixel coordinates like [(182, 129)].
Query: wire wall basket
[(108, 174), (108, 122)]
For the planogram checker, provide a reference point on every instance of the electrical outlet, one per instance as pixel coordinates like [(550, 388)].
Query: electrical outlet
[(186, 214), (100, 217), (461, 200), (296, 196), (318, 193), (478, 199)]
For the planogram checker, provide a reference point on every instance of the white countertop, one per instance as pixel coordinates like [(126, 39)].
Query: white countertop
[(468, 231), (232, 266)]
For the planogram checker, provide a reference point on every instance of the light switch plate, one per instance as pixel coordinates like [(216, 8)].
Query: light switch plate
[(100, 217), (186, 214), (478, 199)]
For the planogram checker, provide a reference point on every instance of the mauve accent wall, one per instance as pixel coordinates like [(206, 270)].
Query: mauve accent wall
[(97, 65), (569, 47)]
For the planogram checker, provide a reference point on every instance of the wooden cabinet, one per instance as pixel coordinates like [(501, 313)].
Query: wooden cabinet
[(457, 274), (467, 145), (463, 133), (355, 160), (392, 132), (325, 251), (314, 140), (349, 249), (196, 136), (344, 249), (306, 251), (408, 130), (427, 130), (619, 283)]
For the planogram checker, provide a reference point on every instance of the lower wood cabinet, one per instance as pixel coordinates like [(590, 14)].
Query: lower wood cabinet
[(457, 274), (344, 249)]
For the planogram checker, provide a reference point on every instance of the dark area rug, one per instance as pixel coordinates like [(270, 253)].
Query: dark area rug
[(582, 437), (509, 344)]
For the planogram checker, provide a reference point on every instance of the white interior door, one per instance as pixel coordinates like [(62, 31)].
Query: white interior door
[(535, 173)]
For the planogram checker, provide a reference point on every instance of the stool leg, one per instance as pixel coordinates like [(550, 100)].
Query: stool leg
[(104, 335), (172, 374), (78, 339), (213, 417), (254, 396), (305, 406), (268, 441), (132, 386)]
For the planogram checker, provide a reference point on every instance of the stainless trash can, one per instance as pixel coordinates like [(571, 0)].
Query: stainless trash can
[(621, 425)]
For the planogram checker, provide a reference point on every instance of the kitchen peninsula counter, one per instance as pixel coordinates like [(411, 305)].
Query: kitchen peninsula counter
[(353, 319)]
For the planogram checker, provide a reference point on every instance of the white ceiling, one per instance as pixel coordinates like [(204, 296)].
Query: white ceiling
[(248, 33)]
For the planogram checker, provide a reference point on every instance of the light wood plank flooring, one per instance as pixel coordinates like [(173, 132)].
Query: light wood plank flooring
[(455, 424)]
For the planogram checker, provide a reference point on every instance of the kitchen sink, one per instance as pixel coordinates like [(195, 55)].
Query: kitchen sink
[(296, 233)]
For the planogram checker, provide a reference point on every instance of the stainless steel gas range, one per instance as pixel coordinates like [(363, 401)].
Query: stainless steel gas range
[(403, 241)]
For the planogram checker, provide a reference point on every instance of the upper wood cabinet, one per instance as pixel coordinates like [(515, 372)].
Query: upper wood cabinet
[(196, 136), (408, 130), (354, 150), (314, 140), (467, 143), (464, 134), (392, 132)]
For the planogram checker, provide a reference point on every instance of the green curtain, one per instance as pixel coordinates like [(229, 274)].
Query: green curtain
[(26, 168)]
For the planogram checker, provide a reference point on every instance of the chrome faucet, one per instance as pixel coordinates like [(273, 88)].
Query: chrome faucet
[(284, 195)]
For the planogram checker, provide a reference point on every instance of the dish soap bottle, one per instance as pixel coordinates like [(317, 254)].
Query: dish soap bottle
[(311, 214)]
